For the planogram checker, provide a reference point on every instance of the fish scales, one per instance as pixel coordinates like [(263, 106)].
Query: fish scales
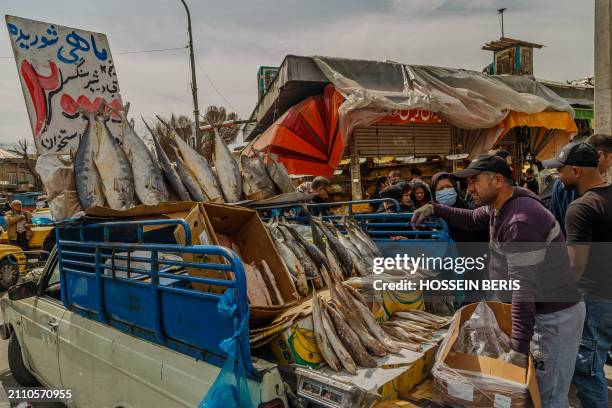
[(170, 173), (278, 173), (321, 337), (88, 181), (149, 182), (114, 168), (228, 171), (200, 169), (341, 352), (350, 339)]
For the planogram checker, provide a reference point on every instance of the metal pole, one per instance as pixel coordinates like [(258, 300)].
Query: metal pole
[(501, 13), (194, 85)]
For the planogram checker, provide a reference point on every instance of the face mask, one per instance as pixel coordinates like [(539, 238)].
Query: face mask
[(446, 196)]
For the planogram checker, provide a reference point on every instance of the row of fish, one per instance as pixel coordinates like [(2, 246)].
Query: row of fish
[(347, 333), (354, 251), (309, 261), (192, 177), (120, 172), (113, 173), (414, 326)]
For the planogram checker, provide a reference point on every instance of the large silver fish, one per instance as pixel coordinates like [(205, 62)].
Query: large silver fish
[(315, 253), (278, 174), (148, 180), (114, 168), (291, 261), (343, 254), (88, 181), (356, 232), (170, 173), (200, 169), (227, 170), (255, 177), (189, 180)]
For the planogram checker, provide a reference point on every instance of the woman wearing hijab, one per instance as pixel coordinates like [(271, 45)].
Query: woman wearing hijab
[(420, 194), (400, 192), (445, 190)]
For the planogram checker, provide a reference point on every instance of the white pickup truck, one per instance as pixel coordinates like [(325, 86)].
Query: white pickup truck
[(101, 365)]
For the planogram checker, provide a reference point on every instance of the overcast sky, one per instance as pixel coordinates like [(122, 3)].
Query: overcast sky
[(234, 37)]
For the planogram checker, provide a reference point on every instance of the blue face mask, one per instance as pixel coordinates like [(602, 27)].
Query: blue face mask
[(446, 196)]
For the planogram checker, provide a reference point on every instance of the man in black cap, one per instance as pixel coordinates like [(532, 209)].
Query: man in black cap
[(561, 197), (588, 222), (526, 244)]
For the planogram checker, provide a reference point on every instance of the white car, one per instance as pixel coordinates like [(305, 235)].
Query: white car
[(100, 365)]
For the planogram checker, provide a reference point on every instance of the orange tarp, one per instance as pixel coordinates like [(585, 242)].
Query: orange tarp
[(549, 120)]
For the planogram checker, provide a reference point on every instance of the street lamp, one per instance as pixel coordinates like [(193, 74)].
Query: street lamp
[(194, 86)]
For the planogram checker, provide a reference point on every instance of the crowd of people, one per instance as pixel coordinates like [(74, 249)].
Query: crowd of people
[(562, 313), (558, 251)]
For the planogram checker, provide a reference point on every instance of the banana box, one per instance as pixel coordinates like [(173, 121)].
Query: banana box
[(391, 301), (297, 345), (417, 372)]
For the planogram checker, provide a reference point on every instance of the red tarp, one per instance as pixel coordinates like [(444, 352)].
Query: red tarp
[(307, 137)]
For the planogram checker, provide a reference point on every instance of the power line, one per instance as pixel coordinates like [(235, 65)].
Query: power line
[(154, 50), (134, 52), (215, 88)]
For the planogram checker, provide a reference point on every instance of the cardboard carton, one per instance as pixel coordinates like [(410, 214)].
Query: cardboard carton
[(485, 382), (243, 227)]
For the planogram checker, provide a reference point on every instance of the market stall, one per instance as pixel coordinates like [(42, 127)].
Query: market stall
[(386, 116)]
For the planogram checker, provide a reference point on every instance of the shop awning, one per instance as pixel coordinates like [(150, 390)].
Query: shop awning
[(548, 120)]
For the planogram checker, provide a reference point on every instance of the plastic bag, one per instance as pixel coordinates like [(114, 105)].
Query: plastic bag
[(231, 388), (58, 178), (474, 389), (481, 335)]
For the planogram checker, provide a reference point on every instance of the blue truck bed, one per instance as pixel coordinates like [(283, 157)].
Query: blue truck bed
[(151, 296)]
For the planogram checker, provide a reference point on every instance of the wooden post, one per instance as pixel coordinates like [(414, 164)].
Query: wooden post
[(355, 170)]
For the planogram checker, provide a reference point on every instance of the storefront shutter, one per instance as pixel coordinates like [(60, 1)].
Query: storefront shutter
[(403, 140)]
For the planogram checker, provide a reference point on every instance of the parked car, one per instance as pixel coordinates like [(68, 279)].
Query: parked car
[(114, 365)]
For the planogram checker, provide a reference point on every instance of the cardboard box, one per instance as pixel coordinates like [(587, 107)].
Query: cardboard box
[(471, 391), (201, 233), (244, 227), (396, 301)]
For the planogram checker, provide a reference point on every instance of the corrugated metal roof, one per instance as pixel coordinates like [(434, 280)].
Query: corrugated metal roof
[(506, 42)]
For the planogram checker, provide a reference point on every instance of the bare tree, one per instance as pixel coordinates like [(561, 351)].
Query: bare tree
[(21, 150), (215, 117), (183, 125)]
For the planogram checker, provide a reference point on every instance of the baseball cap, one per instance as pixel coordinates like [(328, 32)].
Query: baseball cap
[(487, 162), (574, 154)]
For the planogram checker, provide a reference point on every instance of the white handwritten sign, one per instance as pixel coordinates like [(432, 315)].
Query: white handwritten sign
[(63, 71)]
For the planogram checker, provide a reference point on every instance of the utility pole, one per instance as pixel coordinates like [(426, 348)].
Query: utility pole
[(194, 85), (501, 13), (603, 63)]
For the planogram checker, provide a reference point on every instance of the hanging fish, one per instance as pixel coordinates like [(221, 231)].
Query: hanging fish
[(88, 181), (278, 174), (148, 180), (227, 170), (114, 168), (170, 173)]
